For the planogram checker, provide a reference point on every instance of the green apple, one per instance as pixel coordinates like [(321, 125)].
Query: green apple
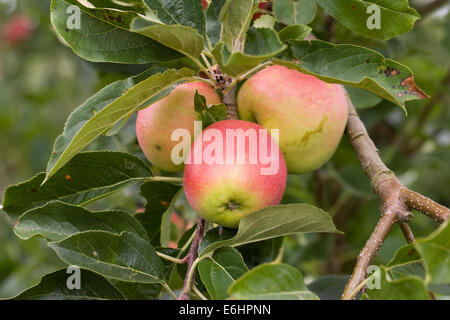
[(156, 123), (311, 114)]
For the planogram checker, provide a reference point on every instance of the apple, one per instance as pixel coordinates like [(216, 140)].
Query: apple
[(155, 124), (18, 30), (311, 114), (204, 4), (223, 189), (264, 5)]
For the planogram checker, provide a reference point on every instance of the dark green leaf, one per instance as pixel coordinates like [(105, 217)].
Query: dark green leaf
[(294, 32), (138, 291), (56, 221), (329, 287), (353, 65), (209, 114), (184, 12), (260, 252), (271, 282), (213, 24), (294, 11), (407, 288), (160, 198), (99, 41), (261, 44), (220, 270), (404, 255), (86, 177), (276, 221), (124, 257), (435, 250), (396, 17), (53, 286), (361, 98)]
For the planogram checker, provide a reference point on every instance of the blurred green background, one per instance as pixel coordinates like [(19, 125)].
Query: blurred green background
[(42, 81)]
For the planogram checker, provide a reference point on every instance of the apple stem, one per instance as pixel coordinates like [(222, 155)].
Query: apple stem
[(191, 258), (229, 99)]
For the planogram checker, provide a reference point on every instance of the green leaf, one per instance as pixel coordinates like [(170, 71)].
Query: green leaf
[(220, 270), (183, 39), (53, 286), (78, 133), (124, 257), (209, 114), (236, 16), (407, 288), (265, 21), (396, 17), (124, 5), (274, 222), (435, 251), (166, 223), (213, 22), (99, 41), (56, 221), (353, 65), (362, 99), (329, 287), (294, 32), (183, 12), (260, 252), (86, 177), (294, 11), (261, 44), (405, 255), (138, 291), (160, 198), (271, 282)]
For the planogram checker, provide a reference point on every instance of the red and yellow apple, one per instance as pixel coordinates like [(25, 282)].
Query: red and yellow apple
[(156, 123), (228, 174), (310, 114)]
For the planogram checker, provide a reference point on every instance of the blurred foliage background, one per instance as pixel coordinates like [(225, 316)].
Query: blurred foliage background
[(42, 81)]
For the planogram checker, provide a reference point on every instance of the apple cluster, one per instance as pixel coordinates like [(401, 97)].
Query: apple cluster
[(308, 115)]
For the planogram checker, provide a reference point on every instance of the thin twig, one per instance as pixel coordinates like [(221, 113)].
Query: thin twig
[(206, 61), (431, 7), (169, 258), (409, 236), (192, 260), (169, 291), (197, 292)]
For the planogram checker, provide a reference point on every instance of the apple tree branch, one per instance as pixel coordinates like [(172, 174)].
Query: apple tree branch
[(397, 200)]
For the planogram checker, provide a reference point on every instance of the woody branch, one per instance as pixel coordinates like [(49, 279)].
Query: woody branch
[(397, 200)]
